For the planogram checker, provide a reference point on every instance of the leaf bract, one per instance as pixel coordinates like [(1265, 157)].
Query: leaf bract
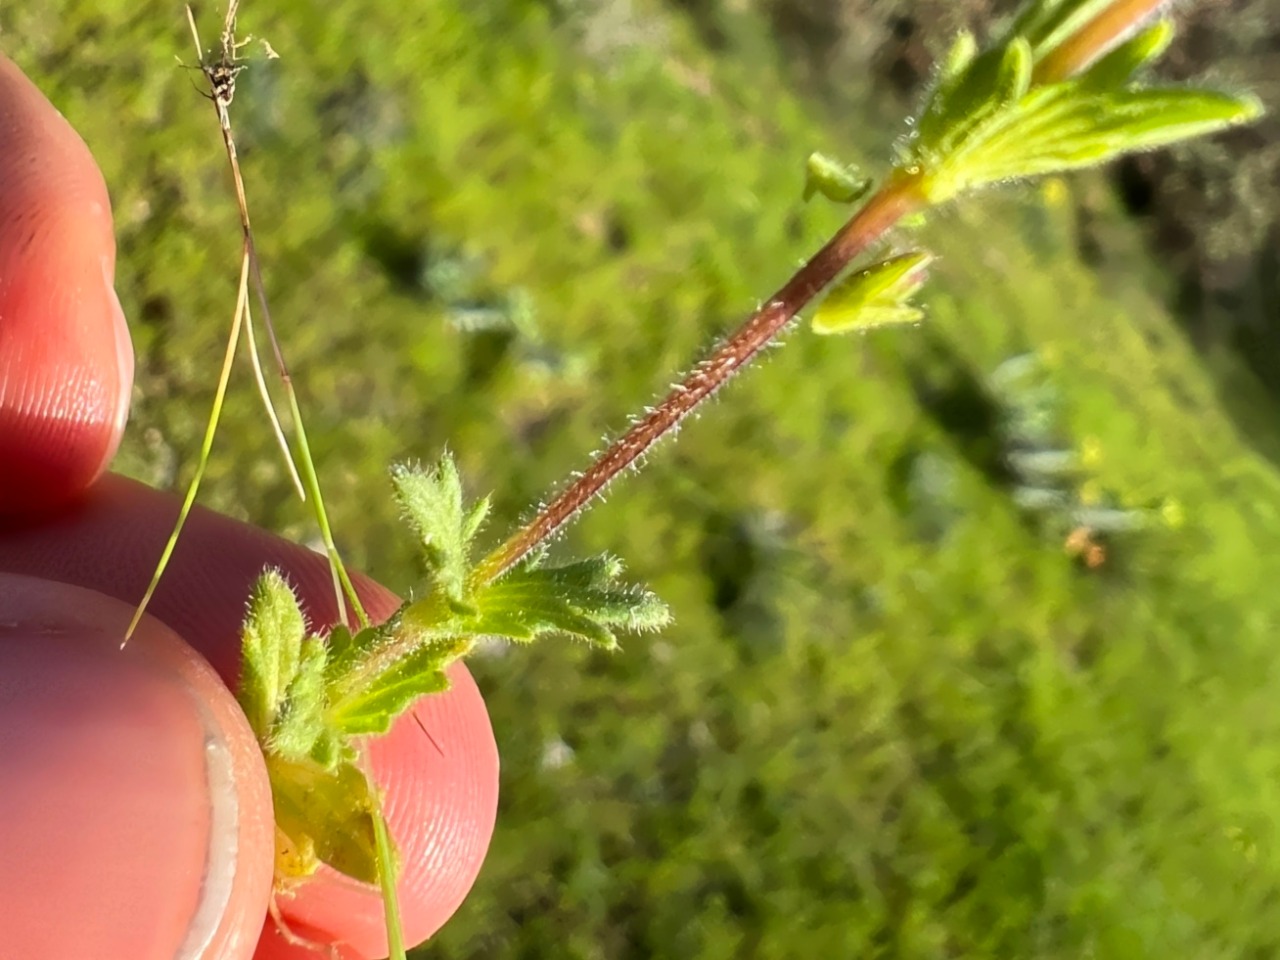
[(875, 296)]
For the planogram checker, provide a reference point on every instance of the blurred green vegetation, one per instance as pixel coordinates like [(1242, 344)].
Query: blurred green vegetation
[(893, 718)]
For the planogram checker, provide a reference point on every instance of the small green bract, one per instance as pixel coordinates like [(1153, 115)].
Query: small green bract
[(875, 296), (840, 182)]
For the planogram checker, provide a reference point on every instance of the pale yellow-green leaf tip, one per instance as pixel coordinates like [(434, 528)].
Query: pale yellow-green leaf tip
[(875, 296), (1251, 108), (837, 181)]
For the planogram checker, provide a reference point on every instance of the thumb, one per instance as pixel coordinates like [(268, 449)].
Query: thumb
[(136, 815)]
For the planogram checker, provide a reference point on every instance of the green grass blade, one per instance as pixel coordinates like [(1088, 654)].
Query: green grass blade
[(312, 484), (310, 481), (206, 445), (260, 379), (387, 877)]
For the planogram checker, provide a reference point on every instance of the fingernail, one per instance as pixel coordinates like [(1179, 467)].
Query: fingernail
[(124, 361)]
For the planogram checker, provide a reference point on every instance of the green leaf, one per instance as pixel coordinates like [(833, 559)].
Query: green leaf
[(431, 502), (836, 181), (583, 600), (372, 707), (961, 105), (987, 121), (380, 673), (1118, 67), (344, 645), (322, 816), (309, 699), (961, 53), (1068, 126), (300, 726), (474, 519), (272, 638), (875, 296), (374, 675)]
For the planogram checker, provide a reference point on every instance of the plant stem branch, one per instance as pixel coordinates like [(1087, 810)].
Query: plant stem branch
[(1094, 39), (899, 196)]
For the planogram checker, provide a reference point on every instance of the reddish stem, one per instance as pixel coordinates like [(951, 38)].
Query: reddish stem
[(899, 196), (1093, 39)]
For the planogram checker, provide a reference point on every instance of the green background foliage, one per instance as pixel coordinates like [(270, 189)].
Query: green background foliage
[(893, 718)]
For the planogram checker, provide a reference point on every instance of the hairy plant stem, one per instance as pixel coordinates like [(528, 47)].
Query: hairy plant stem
[(1094, 39), (899, 196)]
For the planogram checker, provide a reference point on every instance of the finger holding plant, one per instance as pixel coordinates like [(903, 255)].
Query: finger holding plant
[(1059, 90)]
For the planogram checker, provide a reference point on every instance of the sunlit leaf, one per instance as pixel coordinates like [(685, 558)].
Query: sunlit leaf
[(309, 699), (301, 724), (960, 54), (875, 296), (373, 707), (1068, 126), (987, 120), (431, 502), (272, 637), (841, 182), (982, 92), (584, 600)]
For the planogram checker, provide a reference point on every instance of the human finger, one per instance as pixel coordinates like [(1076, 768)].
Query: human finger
[(66, 364), (439, 787), (135, 819)]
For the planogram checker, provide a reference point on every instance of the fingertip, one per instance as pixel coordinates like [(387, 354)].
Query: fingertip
[(66, 364), (136, 813)]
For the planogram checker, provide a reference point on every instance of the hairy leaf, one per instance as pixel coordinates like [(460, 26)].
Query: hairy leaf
[(431, 502), (383, 671), (272, 638), (309, 698), (988, 120), (372, 708), (960, 54), (582, 600), (875, 296), (982, 92), (1068, 126), (300, 725)]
